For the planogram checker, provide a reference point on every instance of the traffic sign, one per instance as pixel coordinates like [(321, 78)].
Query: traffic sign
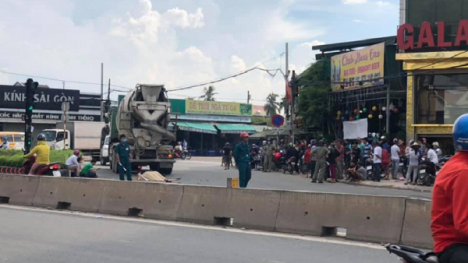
[(277, 120), (65, 106)]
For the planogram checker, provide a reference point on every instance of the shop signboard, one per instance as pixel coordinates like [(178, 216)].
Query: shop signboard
[(358, 69), (13, 97), (217, 108), (50, 116), (430, 36)]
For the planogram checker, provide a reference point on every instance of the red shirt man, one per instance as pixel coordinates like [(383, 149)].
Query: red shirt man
[(450, 201), (308, 155)]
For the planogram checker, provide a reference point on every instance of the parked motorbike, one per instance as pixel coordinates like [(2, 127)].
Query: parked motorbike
[(428, 171), (281, 163), (290, 164), (256, 162), (412, 255), (52, 169)]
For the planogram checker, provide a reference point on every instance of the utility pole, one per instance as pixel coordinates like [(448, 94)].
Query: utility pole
[(248, 97), (290, 107), (387, 126), (108, 92), (102, 81)]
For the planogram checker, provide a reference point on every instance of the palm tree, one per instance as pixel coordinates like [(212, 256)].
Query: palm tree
[(208, 93), (283, 104), (272, 106)]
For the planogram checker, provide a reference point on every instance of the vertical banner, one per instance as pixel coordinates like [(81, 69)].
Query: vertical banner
[(358, 69), (288, 92)]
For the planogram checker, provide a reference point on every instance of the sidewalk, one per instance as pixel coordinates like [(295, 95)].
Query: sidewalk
[(393, 184), (215, 159)]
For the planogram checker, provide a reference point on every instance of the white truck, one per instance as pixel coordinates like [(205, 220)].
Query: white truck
[(80, 135), (143, 116)]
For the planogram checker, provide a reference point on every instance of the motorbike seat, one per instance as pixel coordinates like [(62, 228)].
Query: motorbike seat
[(412, 255)]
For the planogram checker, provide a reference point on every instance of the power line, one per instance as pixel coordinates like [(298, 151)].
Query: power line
[(235, 75), (61, 80)]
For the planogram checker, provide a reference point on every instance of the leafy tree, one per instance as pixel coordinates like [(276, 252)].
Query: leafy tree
[(271, 107), (283, 104), (313, 99), (208, 93)]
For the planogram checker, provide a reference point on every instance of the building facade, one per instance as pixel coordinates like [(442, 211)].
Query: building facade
[(47, 107), (433, 46)]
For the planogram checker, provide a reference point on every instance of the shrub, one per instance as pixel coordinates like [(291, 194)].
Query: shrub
[(14, 158)]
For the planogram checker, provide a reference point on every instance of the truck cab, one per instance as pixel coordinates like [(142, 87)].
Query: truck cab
[(55, 138)]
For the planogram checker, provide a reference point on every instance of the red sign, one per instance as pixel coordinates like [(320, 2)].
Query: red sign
[(426, 38)]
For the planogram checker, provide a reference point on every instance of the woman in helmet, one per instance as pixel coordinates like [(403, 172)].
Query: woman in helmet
[(449, 201), (42, 151), (242, 158)]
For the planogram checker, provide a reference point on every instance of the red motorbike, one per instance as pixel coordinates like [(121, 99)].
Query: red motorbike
[(52, 169)]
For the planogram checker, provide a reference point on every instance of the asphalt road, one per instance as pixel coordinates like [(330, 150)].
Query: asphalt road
[(42, 236), (210, 173)]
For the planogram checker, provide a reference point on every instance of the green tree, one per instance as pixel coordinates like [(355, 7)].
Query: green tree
[(208, 93), (313, 99), (272, 106), (283, 104)]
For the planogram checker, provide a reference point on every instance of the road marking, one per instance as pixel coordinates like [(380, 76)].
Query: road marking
[(337, 241)]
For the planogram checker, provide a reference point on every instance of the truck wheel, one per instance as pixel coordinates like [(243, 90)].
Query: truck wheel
[(154, 167), (103, 161), (114, 167), (165, 171)]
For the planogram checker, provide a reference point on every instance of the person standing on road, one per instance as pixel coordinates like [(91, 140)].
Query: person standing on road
[(331, 160), (268, 150), (242, 158), (437, 149), (356, 154), (432, 160), (308, 159), (321, 166), (339, 160), (367, 152), (395, 156), (377, 162), (313, 159), (227, 154), (413, 167), (449, 213), (123, 154), (5, 144)]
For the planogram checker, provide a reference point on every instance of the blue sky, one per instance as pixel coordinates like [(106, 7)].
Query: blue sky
[(179, 42)]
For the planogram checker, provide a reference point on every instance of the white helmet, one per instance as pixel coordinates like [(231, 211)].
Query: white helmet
[(435, 144)]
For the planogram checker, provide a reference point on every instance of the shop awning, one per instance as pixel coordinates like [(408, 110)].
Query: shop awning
[(262, 135), (202, 127), (235, 128)]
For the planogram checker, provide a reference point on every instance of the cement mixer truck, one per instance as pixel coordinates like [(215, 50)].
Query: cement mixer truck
[(143, 116)]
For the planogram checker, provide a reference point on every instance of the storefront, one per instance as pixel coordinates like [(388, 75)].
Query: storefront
[(47, 107), (363, 102), (435, 59), (207, 125)]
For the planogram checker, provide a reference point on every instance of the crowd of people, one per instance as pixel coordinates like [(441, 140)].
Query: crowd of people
[(354, 160)]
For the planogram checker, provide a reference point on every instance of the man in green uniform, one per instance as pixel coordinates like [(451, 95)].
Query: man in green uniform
[(268, 151), (320, 154), (242, 158), (123, 154)]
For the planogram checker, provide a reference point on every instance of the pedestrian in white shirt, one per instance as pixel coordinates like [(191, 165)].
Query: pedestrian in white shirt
[(433, 160), (73, 165), (437, 149), (377, 162), (395, 157)]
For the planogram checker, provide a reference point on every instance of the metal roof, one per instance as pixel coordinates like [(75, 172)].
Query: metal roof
[(391, 40)]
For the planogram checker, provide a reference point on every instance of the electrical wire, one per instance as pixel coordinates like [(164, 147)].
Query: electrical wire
[(61, 80), (235, 75)]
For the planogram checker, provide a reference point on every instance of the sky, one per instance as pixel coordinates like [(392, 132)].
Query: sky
[(178, 43)]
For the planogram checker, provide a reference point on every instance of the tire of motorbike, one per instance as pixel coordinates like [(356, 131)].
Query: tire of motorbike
[(188, 156), (291, 169), (183, 156), (102, 161), (427, 180), (284, 169)]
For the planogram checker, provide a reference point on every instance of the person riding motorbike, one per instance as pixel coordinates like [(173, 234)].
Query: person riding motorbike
[(42, 151), (178, 149), (437, 149), (449, 213)]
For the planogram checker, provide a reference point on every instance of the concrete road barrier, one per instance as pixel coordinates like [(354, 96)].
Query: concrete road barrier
[(155, 200), (201, 204), (417, 224), (19, 190), (255, 209), (80, 193), (365, 218)]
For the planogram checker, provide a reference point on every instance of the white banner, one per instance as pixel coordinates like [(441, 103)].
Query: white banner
[(355, 129)]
